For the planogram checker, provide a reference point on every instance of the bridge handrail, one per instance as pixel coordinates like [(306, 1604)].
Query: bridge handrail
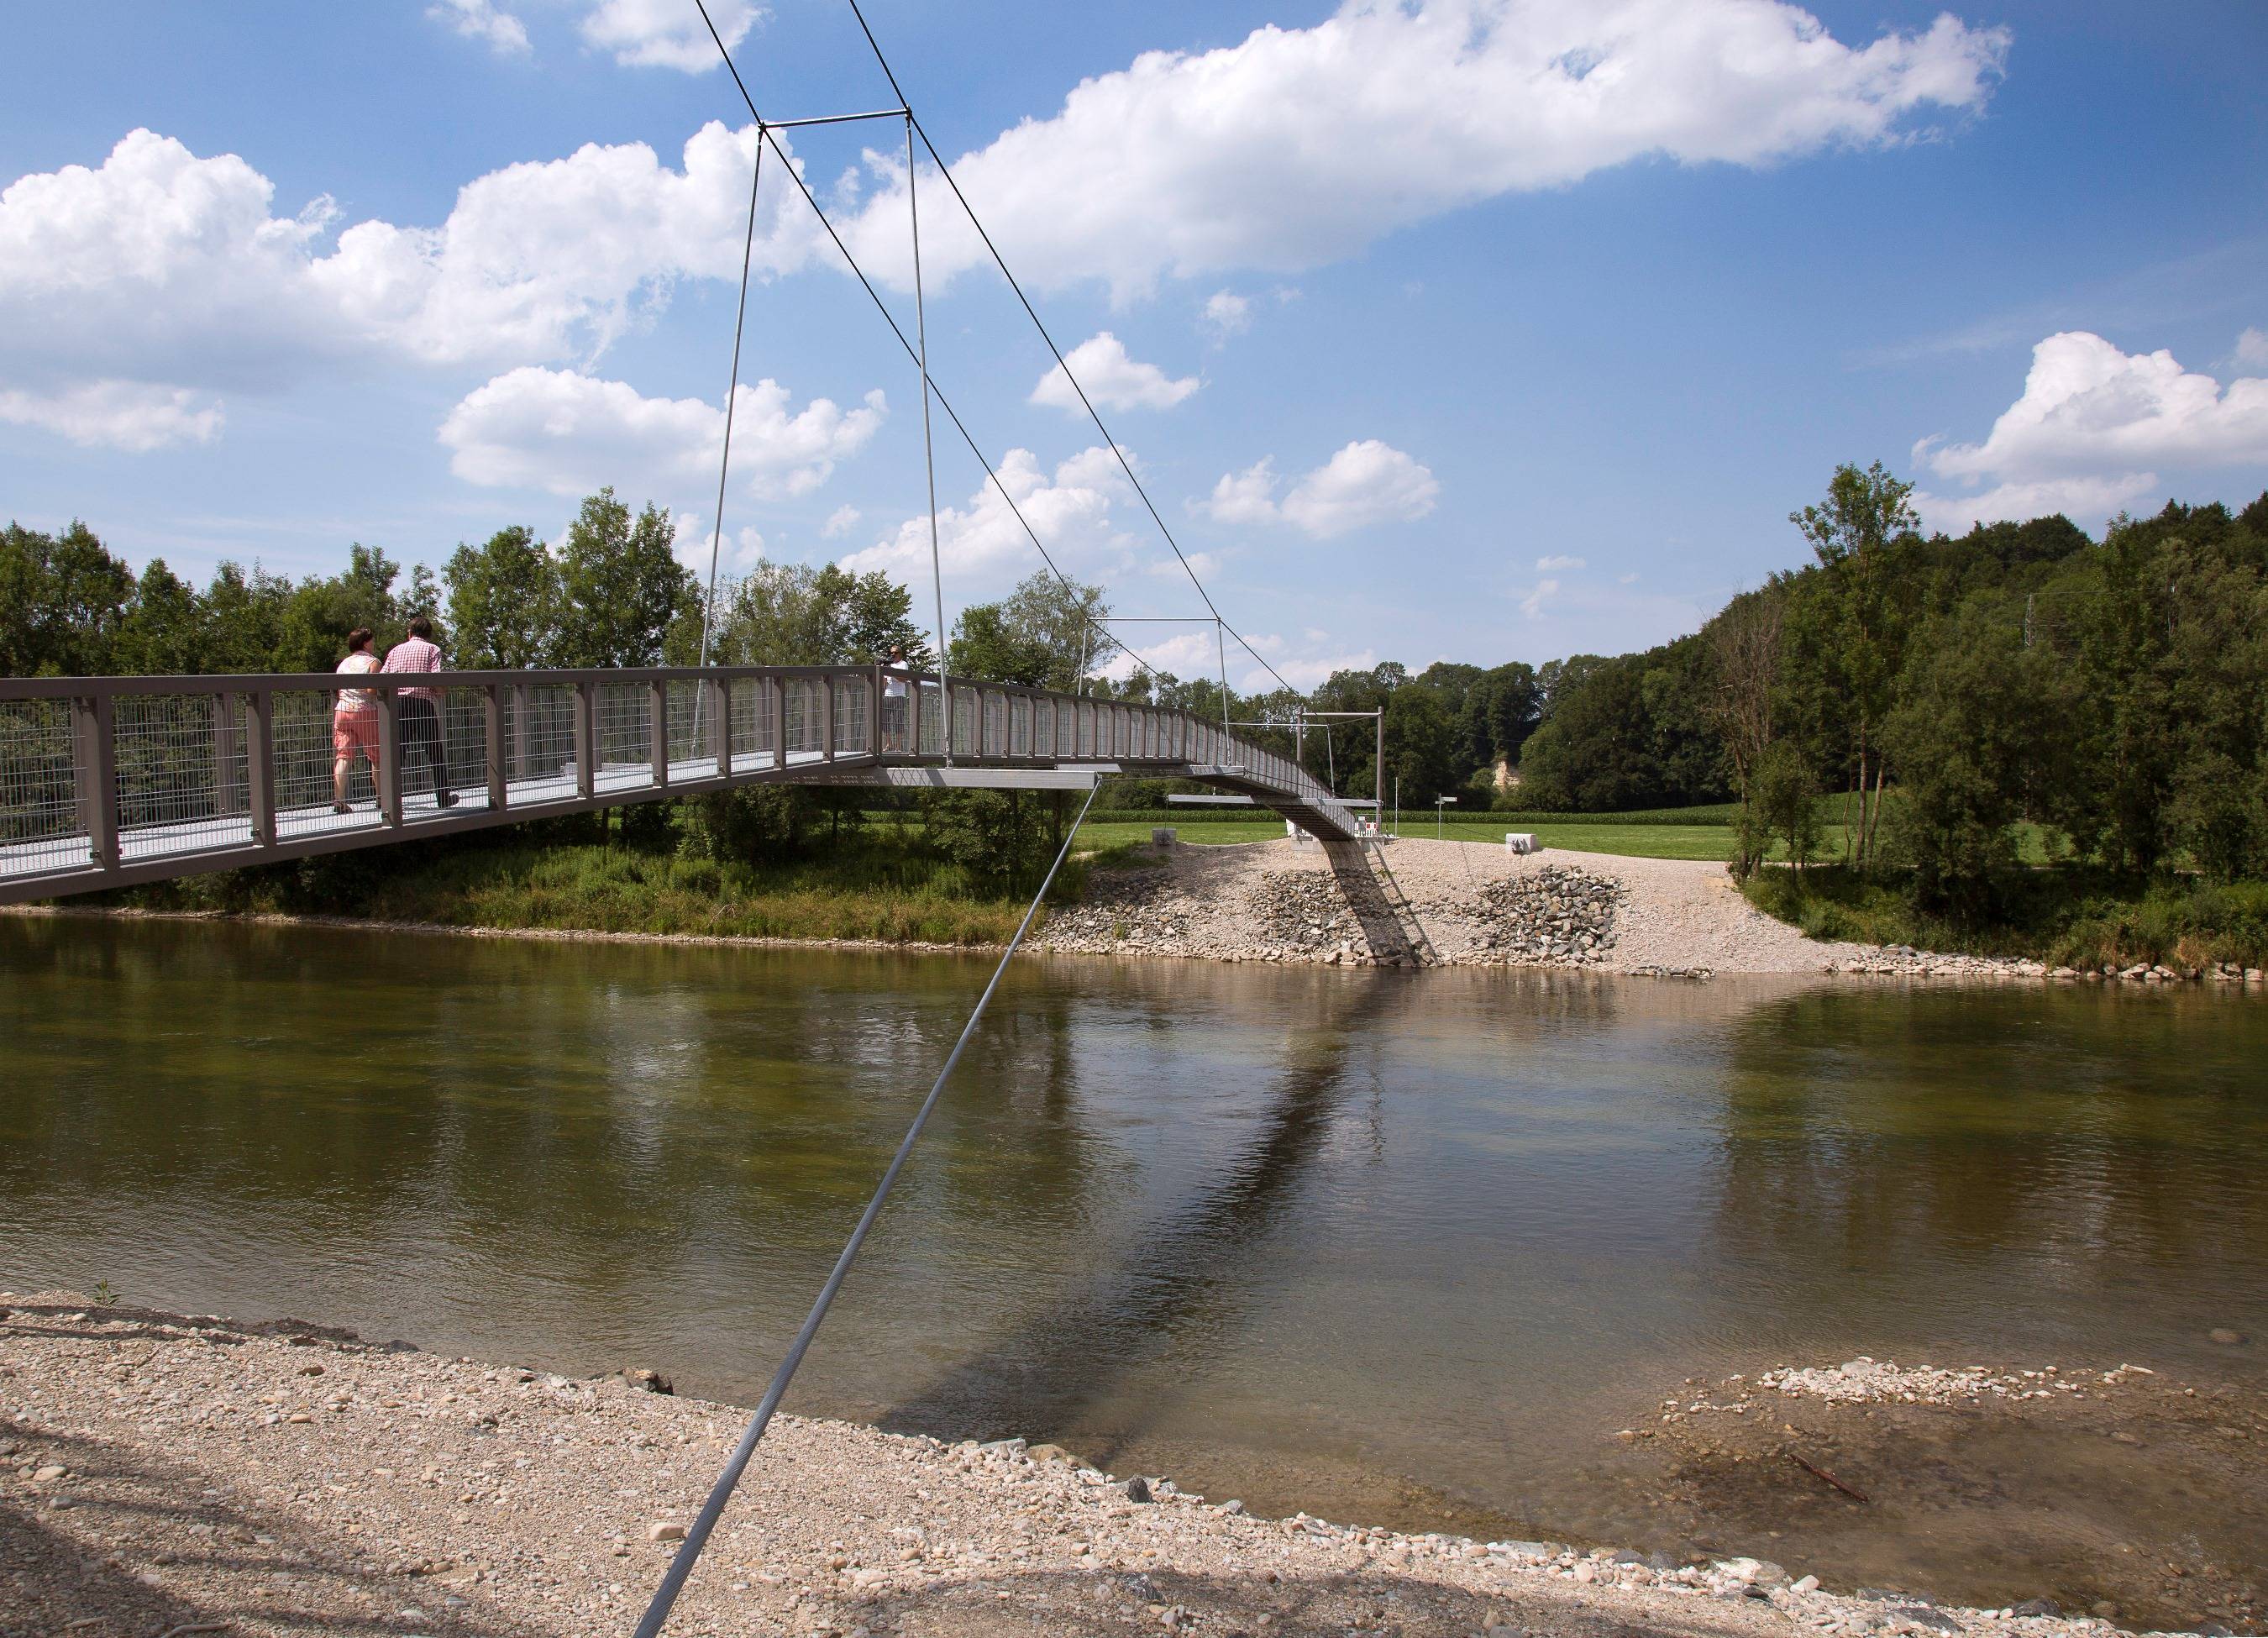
[(206, 765)]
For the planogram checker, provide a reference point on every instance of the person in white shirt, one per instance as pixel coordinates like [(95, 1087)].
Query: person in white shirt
[(354, 722)]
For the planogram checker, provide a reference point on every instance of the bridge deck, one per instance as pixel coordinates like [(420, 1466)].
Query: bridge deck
[(109, 781)]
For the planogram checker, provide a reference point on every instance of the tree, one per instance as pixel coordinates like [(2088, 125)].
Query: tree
[(1851, 534), (504, 602), (1421, 743), (62, 599), (163, 633), (622, 586), (1784, 806), (1971, 717), (1044, 634), (791, 614), (315, 618), (1744, 658)]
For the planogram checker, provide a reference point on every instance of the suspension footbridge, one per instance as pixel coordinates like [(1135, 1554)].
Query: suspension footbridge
[(114, 781)]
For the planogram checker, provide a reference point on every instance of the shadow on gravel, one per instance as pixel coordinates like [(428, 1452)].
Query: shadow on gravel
[(126, 1545)]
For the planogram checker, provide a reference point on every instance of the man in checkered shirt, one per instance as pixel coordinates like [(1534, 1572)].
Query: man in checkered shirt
[(419, 727)]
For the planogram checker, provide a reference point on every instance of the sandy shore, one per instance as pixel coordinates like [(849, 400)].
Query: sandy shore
[(165, 1474)]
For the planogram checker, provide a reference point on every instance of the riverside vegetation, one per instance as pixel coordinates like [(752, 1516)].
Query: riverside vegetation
[(2019, 741)]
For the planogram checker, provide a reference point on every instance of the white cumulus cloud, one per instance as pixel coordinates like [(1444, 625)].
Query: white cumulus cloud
[(2252, 348), (840, 522), (980, 545), (1112, 380), (117, 414), (1537, 595), (165, 272), (1365, 484), (1297, 146), (1558, 561), (2090, 432), (568, 433), (1225, 313), (485, 21), (667, 33)]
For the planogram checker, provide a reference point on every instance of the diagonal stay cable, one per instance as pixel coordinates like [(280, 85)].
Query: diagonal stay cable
[(764, 130), (731, 398), (680, 1565), (1063, 364)]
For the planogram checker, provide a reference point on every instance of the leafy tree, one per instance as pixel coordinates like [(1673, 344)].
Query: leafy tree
[(1044, 634), (62, 599), (505, 597), (999, 839), (621, 584), (163, 633), (1421, 747), (1782, 807), (1971, 716), (1853, 534)]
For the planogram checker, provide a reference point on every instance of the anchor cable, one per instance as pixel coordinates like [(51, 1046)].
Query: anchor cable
[(680, 1565)]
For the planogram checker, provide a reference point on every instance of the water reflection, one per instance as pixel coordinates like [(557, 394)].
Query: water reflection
[(1374, 1242)]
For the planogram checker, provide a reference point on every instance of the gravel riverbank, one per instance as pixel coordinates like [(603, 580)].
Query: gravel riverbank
[(1473, 904), (167, 1475)]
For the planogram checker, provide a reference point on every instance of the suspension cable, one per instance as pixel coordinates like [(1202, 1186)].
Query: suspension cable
[(1061, 363), (681, 1564), (731, 396), (765, 128)]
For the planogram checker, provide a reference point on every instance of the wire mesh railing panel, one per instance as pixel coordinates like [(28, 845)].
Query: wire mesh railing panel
[(166, 767), (686, 712), (1083, 729), (964, 722), (932, 719), (41, 829), (1043, 728), (750, 717), (799, 701), (622, 715), (854, 729), (996, 724), (547, 743), (310, 733)]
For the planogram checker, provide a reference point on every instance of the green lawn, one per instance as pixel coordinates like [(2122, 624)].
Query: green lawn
[(1603, 834)]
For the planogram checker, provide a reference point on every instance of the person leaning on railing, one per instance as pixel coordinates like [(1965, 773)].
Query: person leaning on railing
[(354, 721), (419, 725)]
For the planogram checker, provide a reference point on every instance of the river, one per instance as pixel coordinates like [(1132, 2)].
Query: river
[(1406, 1247)]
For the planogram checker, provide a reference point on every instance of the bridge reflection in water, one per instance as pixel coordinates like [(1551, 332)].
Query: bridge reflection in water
[(110, 781)]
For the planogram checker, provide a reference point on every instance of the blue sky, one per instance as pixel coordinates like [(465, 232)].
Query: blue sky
[(1487, 329)]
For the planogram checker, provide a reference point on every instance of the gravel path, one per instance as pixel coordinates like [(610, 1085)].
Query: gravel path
[(1275, 901), (163, 1474)]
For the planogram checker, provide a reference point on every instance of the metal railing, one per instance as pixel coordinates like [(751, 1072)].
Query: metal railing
[(105, 781)]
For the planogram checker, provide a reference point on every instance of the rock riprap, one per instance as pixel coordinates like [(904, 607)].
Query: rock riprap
[(1559, 915)]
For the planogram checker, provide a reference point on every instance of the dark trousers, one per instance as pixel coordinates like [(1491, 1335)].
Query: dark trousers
[(419, 729)]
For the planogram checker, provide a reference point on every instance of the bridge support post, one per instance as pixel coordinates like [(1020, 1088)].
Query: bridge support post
[(775, 695), (874, 713), (657, 717), (827, 718), (260, 765), (95, 765), (720, 723), (493, 736), (586, 743), (389, 757)]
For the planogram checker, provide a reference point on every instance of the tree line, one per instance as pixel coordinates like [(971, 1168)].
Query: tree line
[(1926, 695)]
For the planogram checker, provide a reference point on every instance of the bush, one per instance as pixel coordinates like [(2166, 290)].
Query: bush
[(750, 824), (996, 837)]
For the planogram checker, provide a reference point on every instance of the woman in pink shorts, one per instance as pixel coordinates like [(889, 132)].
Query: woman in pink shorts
[(354, 723)]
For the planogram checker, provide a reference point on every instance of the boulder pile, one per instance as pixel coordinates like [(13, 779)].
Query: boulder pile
[(1558, 915)]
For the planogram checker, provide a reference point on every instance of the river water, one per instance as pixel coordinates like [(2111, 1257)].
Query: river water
[(1399, 1247)]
